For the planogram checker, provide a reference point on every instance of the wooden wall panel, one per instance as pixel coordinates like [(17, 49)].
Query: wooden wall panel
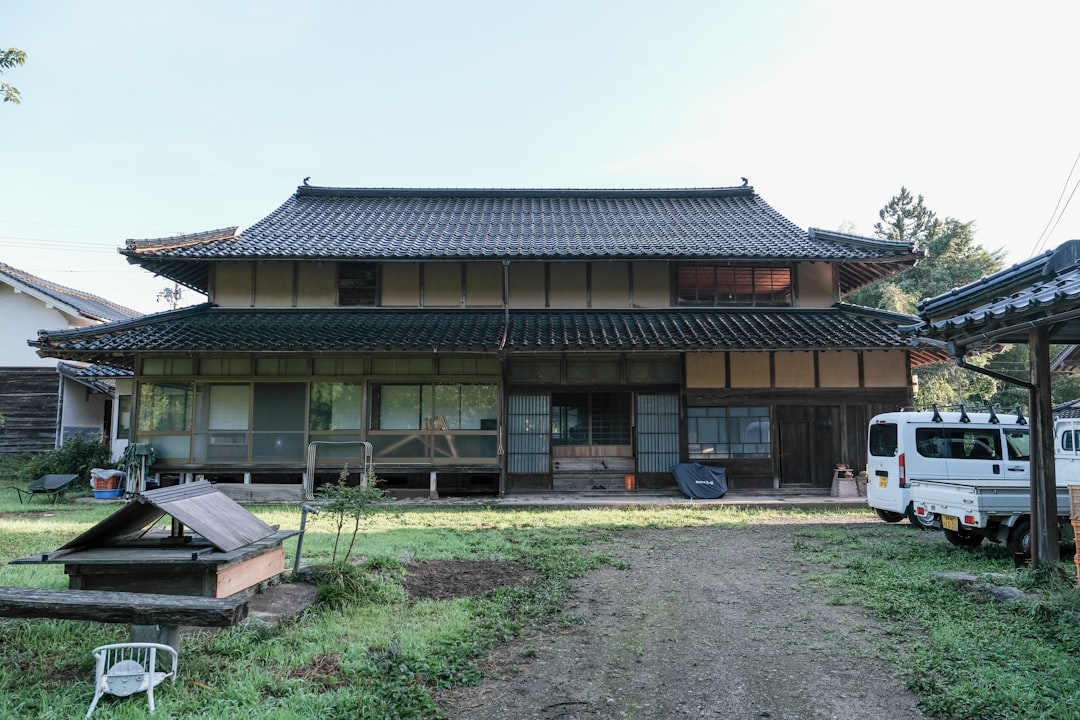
[(28, 402)]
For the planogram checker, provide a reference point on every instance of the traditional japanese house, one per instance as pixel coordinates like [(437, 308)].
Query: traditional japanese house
[(512, 340)]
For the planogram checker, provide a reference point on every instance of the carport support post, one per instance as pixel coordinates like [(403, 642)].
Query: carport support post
[(1045, 550)]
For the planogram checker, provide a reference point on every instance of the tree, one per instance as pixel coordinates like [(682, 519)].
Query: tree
[(8, 59), (905, 218), (952, 259)]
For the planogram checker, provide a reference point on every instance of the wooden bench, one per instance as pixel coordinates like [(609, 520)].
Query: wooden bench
[(149, 614)]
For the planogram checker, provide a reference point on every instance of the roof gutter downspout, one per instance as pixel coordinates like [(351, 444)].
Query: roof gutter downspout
[(501, 450), (961, 362), (506, 306)]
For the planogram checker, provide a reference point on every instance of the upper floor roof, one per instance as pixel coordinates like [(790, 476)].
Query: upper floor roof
[(74, 302), (397, 224)]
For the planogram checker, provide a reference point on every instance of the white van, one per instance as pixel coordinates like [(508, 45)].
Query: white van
[(905, 446), (1067, 449)]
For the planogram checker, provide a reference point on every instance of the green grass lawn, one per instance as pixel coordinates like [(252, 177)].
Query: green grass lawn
[(379, 655)]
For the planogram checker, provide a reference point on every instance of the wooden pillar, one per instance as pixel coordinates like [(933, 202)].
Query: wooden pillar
[(1045, 542), (433, 490)]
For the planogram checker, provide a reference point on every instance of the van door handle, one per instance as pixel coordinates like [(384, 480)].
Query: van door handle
[(997, 469), (1018, 469)]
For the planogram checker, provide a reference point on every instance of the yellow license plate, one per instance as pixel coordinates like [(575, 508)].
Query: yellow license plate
[(949, 522), (883, 481)]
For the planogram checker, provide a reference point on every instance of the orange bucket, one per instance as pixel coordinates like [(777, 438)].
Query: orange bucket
[(630, 481)]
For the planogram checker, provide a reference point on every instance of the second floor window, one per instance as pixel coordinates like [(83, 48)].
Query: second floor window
[(726, 286), (356, 284)]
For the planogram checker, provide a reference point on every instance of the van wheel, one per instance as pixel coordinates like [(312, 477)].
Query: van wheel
[(889, 516), (963, 538), (1019, 542), (922, 522)]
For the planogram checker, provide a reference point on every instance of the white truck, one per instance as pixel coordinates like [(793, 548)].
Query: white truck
[(966, 473)]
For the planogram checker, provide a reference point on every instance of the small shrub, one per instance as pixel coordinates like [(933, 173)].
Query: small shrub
[(343, 502), (79, 454)]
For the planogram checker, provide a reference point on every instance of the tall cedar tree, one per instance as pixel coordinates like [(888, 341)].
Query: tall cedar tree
[(953, 258)]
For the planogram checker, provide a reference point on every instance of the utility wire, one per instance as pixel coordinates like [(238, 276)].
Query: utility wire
[(1052, 223)]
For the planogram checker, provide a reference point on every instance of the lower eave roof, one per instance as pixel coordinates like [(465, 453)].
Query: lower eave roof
[(210, 329)]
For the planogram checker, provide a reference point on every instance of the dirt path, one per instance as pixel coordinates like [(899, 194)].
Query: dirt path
[(695, 623)]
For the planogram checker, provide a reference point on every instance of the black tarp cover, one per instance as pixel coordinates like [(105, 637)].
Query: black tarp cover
[(700, 481)]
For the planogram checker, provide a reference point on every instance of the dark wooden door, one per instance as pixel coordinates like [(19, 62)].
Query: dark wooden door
[(807, 445), (796, 456)]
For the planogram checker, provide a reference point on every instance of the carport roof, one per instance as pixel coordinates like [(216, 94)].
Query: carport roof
[(1043, 292)]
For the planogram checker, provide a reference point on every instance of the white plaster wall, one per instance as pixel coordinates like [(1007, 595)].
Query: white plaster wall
[(83, 409), (21, 316)]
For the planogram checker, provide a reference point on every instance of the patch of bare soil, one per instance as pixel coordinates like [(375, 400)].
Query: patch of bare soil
[(445, 579), (692, 623)]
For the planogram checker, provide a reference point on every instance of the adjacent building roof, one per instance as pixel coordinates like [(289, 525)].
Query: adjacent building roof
[(74, 302), (99, 378), (388, 224), (1004, 307), (206, 328)]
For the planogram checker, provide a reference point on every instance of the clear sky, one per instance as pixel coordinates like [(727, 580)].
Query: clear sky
[(144, 119)]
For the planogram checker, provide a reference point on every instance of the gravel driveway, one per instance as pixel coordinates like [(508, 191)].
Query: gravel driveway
[(696, 623)]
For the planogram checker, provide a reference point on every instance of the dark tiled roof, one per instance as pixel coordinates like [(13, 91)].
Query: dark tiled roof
[(205, 328), (1069, 409), (101, 378), (1005, 307), (84, 304), (418, 224)]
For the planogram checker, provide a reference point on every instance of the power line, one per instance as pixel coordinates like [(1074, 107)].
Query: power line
[(1052, 223)]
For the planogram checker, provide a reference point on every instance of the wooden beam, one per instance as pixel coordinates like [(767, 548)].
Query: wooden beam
[(1045, 549), (122, 607)]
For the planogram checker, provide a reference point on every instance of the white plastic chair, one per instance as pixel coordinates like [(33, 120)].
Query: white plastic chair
[(127, 668)]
